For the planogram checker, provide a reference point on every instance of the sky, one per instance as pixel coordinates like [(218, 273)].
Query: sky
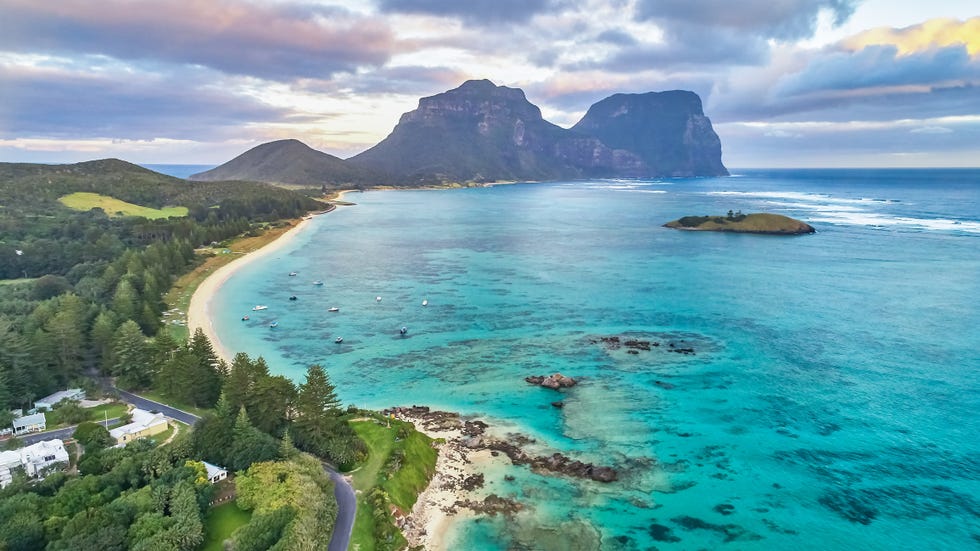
[(786, 83)]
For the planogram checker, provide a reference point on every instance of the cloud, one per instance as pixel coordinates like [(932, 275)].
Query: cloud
[(931, 130), (935, 33), (50, 103), (784, 20), (877, 66), (472, 11), (271, 41)]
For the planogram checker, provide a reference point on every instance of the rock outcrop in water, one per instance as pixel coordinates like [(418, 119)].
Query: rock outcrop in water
[(761, 223), (553, 382)]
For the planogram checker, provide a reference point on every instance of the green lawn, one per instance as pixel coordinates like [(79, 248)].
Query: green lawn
[(220, 523), (110, 410), (19, 281), (403, 486), (157, 397), (86, 201)]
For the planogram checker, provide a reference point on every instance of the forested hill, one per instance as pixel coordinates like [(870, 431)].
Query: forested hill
[(54, 239), (86, 281)]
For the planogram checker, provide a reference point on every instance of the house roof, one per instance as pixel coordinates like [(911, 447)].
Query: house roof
[(38, 451), (60, 395), (142, 420), (213, 470), (28, 420)]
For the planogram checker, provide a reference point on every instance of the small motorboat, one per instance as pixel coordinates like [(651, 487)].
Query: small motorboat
[(339, 340), (318, 282), (291, 274), (333, 309), (425, 302), (377, 299), (292, 297), (403, 330), (258, 307), (274, 324), (245, 317)]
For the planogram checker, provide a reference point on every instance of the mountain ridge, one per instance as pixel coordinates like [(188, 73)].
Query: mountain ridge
[(480, 132)]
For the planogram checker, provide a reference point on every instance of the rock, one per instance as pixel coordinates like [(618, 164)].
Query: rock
[(554, 382), (664, 385), (558, 405)]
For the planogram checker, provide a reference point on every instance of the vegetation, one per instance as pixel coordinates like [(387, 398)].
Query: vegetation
[(93, 285), (400, 463), (131, 498), (743, 223), (85, 201), (221, 522)]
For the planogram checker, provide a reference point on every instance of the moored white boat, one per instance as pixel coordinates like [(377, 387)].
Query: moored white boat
[(258, 307)]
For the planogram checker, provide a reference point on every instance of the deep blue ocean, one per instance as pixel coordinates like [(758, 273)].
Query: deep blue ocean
[(832, 401)]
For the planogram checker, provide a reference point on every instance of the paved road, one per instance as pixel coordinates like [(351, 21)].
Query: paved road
[(346, 510), (342, 490), (150, 405)]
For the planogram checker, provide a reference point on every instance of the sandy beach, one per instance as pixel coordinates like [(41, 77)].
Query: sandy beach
[(198, 312), (443, 501)]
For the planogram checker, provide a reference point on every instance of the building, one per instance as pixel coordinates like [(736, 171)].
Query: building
[(48, 402), (8, 461), (144, 424), (29, 423), (215, 473), (38, 458)]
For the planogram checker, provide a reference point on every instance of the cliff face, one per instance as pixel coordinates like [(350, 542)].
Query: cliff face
[(477, 132), (667, 130), (480, 132), (289, 162)]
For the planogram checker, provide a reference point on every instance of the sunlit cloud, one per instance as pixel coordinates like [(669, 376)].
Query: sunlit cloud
[(935, 33)]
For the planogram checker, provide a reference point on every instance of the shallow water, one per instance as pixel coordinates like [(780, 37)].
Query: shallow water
[(831, 402)]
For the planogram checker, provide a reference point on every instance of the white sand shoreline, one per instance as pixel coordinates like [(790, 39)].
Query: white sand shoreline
[(435, 510), (199, 313)]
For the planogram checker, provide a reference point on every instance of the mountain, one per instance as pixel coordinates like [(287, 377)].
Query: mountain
[(289, 162), (668, 130), (477, 132), (481, 132)]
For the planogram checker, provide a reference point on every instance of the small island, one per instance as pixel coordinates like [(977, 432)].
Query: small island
[(761, 223)]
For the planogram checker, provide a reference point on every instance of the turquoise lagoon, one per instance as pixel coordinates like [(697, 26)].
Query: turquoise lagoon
[(832, 402)]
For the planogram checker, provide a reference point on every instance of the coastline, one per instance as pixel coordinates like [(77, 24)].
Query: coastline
[(198, 311), (454, 490)]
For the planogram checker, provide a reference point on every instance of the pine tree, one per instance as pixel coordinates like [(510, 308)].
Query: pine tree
[(287, 450), (317, 408), (131, 356)]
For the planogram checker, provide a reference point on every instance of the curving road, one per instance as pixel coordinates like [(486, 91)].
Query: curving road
[(346, 510), (342, 490)]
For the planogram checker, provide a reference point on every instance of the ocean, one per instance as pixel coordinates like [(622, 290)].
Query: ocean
[(179, 171), (831, 400)]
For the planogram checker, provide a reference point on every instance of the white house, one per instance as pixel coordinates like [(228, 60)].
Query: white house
[(215, 473), (49, 402), (37, 458), (29, 423), (144, 424)]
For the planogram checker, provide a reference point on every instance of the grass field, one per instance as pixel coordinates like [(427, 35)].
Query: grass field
[(86, 201), (220, 523), (403, 485), (20, 281)]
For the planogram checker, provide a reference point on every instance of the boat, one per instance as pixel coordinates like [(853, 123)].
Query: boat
[(245, 317), (292, 297), (258, 307), (333, 309), (291, 274), (318, 282), (274, 324), (377, 299), (403, 330), (339, 340), (425, 302)]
